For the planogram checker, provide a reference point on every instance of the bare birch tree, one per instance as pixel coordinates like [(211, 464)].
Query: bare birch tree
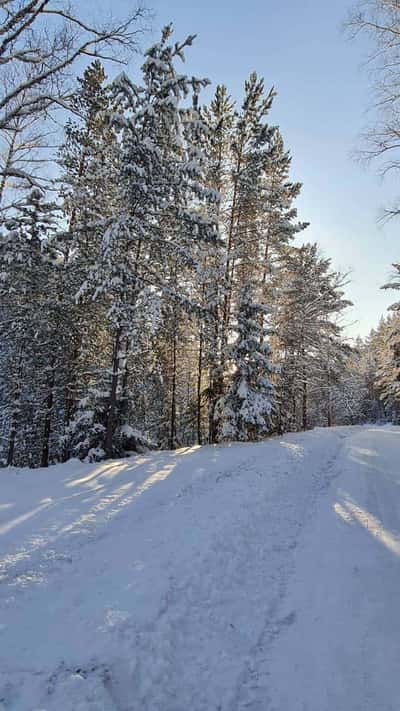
[(40, 41), (379, 21)]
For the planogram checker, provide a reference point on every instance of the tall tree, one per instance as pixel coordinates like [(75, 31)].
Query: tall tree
[(250, 168), (308, 340)]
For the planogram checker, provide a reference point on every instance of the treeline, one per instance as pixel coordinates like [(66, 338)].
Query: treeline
[(151, 293), (380, 367)]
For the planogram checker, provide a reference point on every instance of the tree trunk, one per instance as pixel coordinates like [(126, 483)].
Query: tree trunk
[(124, 386), (230, 263), (304, 402), (69, 403), (112, 404), (13, 434), (172, 427), (294, 410), (228, 278), (199, 374), (216, 380), (15, 413), (329, 415), (44, 462), (329, 412)]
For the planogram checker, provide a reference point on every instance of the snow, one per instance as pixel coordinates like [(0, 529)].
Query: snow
[(245, 576), (129, 431)]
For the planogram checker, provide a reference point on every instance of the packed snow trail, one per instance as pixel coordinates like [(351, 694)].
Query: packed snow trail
[(261, 577)]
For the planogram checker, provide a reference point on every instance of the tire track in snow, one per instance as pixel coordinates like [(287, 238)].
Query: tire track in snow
[(184, 617), (251, 693)]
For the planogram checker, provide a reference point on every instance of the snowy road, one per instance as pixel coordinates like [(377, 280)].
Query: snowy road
[(247, 577)]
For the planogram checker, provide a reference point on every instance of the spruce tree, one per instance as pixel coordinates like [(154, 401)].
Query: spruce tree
[(247, 407)]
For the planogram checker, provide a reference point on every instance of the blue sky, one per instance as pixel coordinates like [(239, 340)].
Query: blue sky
[(323, 93)]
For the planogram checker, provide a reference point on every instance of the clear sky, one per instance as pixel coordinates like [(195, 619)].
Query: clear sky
[(323, 93)]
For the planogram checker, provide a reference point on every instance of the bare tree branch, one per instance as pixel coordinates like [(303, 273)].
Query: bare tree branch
[(40, 40), (379, 20)]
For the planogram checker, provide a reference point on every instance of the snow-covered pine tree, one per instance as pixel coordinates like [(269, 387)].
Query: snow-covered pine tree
[(89, 162), (388, 371), (31, 311), (246, 409), (219, 117), (388, 360), (159, 220), (308, 346), (278, 223), (250, 152)]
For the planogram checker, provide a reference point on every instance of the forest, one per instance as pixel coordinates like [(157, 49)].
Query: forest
[(157, 287)]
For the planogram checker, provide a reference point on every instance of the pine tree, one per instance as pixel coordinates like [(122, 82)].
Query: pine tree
[(158, 220), (279, 222), (246, 410), (388, 379), (219, 117), (308, 343), (388, 372), (29, 294), (89, 160), (250, 168)]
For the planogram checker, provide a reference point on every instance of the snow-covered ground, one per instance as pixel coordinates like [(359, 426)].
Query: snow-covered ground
[(258, 577)]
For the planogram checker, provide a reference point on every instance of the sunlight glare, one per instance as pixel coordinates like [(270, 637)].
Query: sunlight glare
[(24, 517), (351, 513)]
